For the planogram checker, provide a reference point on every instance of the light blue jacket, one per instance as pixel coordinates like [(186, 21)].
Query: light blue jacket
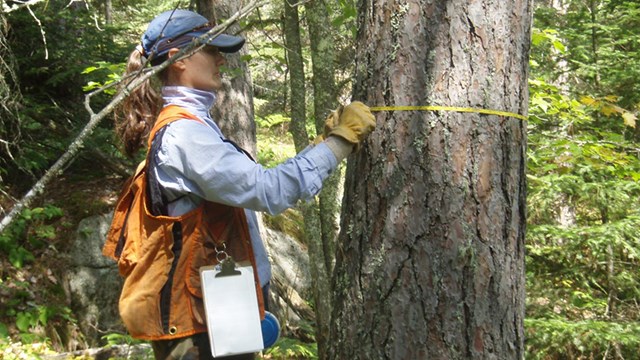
[(194, 160)]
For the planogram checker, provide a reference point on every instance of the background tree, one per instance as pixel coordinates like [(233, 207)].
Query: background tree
[(582, 278), (431, 255), (325, 99), (310, 209), (321, 239), (234, 110)]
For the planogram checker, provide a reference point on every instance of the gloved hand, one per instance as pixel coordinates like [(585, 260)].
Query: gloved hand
[(332, 120), (329, 123), (354, 124)]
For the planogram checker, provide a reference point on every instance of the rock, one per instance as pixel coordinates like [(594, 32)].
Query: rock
[(291, 279), (289, 261), (94, 282)]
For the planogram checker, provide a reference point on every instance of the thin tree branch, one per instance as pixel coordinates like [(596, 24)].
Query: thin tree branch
[(19, 5), (44, 36), (58, 167)]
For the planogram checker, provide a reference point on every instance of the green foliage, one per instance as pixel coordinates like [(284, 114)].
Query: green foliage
[(104, 74), (539, 37), (583, 246), (289, 222), (51, 55), (345, 16), (583, 167), (31, 322), (18, 351), (274, 141), (271, 120), (602, 47), (289, 348), (38, 316), (120, 339), (30, 231), (29, 312), (587, 339)]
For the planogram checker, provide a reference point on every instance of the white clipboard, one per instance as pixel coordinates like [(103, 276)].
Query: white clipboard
[(231, 308)]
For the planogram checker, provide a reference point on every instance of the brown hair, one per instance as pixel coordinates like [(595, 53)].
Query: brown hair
[(136, 114)]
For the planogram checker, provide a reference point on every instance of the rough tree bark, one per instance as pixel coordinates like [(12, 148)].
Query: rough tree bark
[(233, 111), (430, 262)]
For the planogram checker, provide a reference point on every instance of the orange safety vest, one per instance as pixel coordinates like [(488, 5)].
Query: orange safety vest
[(160, 256)]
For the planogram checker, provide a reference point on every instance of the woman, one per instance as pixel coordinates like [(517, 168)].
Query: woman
[(196, 196)]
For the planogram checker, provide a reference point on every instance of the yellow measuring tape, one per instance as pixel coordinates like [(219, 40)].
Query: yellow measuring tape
[(449, 108)]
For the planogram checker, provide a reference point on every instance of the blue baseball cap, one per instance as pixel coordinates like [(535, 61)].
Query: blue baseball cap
[(177, 28)]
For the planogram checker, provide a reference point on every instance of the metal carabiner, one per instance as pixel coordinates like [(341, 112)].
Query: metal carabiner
[(221, 254)]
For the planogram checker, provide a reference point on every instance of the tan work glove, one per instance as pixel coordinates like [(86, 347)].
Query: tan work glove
[(329, 123), (354, 124)]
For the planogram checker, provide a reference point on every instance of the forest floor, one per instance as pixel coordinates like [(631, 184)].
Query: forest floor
[(33, 296)]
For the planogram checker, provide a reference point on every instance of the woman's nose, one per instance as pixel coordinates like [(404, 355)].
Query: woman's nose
[(220, 60)]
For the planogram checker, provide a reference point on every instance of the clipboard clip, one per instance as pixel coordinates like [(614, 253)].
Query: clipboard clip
[(228, 268)]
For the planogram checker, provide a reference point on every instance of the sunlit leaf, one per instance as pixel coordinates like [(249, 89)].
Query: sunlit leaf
[(629, 119), (559, 46), (537, 38), (608, 110), (589, 101)]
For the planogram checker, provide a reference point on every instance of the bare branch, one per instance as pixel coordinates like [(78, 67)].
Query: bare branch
[(58, 167), (18, 5), (44, 37)]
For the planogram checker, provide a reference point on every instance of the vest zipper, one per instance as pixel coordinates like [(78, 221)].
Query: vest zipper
[(165, 293)]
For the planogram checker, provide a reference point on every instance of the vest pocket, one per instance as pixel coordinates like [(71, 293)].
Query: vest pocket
[(201, 253), (197, 258), (139, 301), (128, 254)]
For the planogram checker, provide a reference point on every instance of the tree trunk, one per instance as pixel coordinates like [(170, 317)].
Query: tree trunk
[(295, 64), (233, 111), (108, 12), (325, 99), (431, 257), (312, 218)]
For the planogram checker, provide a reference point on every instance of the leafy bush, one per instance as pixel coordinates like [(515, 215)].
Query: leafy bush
[(30, 231), (289, 348), (589, 339)]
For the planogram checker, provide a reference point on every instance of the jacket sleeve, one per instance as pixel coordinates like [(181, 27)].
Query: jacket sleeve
[(194, 159)]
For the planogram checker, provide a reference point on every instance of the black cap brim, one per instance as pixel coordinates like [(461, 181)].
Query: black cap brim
[(226, 43)]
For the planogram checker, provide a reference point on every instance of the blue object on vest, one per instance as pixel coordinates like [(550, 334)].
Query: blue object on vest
[(270, 329)]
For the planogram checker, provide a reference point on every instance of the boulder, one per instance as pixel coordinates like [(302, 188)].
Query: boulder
[(94, 282)]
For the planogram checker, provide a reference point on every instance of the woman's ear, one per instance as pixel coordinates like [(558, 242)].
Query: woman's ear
[(178, 64)]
